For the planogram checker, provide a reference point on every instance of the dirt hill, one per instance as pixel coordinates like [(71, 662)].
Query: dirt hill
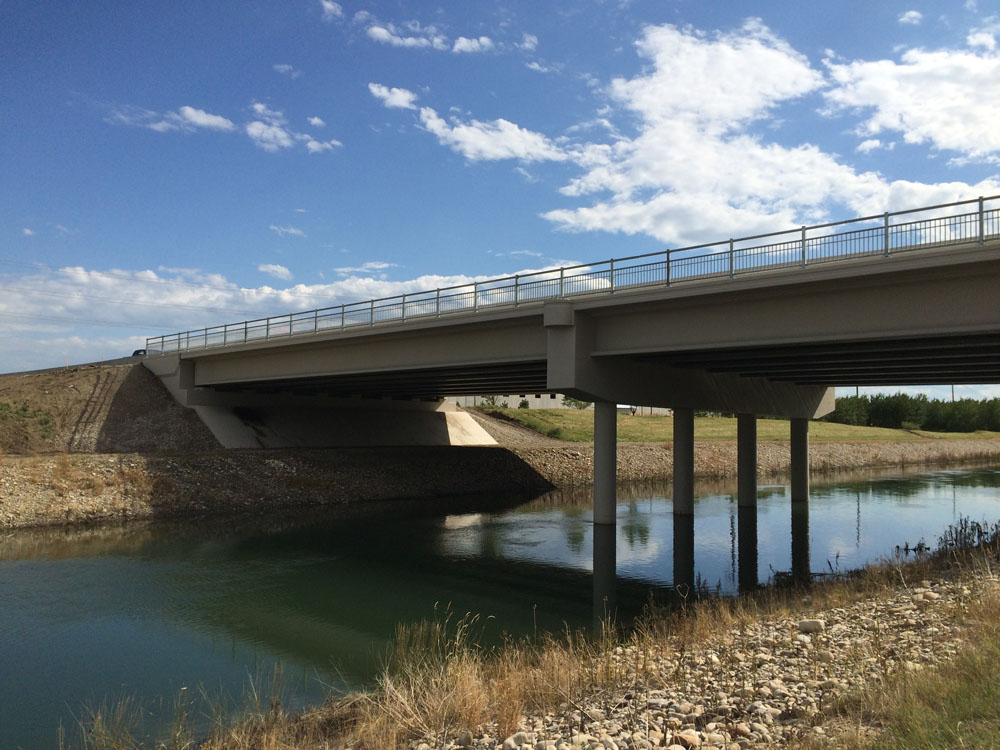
[(95, 409)]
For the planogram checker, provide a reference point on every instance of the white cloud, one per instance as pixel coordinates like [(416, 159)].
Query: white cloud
[(202, 119), (28, 232), (485, 141), (317, 122), (423, 36), (185, 119), (911, 18), (528, 42), (318, 147), (985, 36), (331, 10), (367, 267), (393, 97), (278, 272), (482, 44), (287, 70), (695, 172), (273, 116), (943, 97), (287, 231), (872, 144), (362, 16), (271, 134), (538, 67), (269, 137)]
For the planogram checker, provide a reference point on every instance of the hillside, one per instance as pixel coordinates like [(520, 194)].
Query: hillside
[(95, 409)]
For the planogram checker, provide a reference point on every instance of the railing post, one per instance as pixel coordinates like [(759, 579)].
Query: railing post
[(475, 296), (291, 324), (267, 329), (371, 313), (982, 222), (885, 232), (732, 259), (517, 289), (404, 309), (803, 247), (245, 329), (187, 340), (316, 320), (612, 275), (562, 278), (437, 303), (668, 268)]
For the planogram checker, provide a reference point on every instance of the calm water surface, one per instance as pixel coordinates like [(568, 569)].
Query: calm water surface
[(92, 615)]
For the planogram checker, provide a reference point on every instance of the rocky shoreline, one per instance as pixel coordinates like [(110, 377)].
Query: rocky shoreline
[(771, 681)]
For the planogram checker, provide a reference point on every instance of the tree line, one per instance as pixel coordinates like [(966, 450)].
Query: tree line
[(917, 413)]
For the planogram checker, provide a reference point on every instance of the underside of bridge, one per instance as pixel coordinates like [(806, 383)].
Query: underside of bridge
[(923, 360)]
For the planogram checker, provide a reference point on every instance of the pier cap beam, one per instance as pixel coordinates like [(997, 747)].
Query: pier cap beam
[(577, 368)]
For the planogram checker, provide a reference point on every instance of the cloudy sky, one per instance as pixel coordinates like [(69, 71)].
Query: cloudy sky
[(173, 166)]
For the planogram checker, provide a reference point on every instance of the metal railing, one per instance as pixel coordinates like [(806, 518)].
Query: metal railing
[(881, 235)]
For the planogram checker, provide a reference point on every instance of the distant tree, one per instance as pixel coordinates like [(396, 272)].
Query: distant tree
[(576, 403), (523, 404)]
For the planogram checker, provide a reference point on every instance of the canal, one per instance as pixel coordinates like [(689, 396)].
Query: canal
[(89, 616)]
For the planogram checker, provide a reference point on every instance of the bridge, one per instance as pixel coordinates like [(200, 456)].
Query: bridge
[(762, 325)]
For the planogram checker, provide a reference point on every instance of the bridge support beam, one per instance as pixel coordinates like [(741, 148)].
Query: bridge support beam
[(800, 459), (746, 460), (683, 461), (605, 461)]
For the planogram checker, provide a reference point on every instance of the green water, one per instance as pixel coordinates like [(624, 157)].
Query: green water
[(91, 615)]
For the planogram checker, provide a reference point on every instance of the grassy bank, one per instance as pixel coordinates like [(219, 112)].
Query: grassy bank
[(578, 425), (865, 684)]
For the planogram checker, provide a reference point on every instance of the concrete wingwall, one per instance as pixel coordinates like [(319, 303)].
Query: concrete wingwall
[(257, 420)]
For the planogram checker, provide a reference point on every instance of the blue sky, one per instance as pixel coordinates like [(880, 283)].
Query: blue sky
[(170, 167)]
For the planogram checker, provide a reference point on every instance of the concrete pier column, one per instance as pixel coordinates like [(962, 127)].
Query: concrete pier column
[(605, 556), (746, 461), (605, 461), (800, 543), (746, 547), (800, 459), (683, 461), (684, 554)]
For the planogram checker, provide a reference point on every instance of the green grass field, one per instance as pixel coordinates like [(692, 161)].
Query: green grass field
[(578, 425)]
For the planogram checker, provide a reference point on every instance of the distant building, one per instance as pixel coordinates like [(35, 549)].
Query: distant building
[(548, 401)]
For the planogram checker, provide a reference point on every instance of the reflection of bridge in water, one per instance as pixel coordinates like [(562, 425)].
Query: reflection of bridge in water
[(763, 325)]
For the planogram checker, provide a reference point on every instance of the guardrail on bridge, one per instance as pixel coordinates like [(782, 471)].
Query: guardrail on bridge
[(795, 248)]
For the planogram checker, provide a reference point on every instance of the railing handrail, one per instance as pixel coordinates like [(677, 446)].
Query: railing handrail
[(524, 289)]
